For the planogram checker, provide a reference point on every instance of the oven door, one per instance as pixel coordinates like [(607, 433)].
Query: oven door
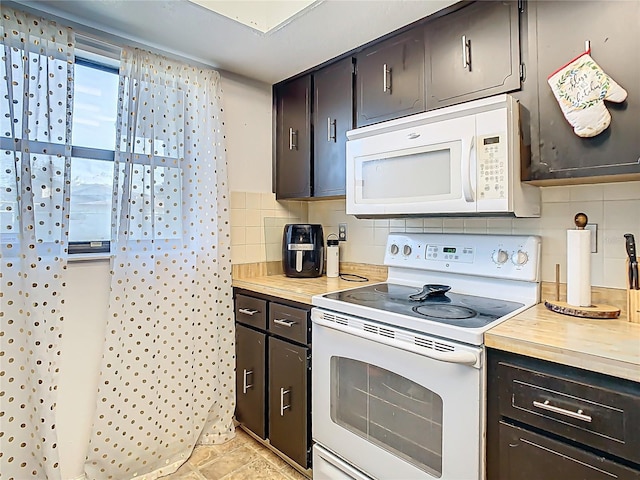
[(396, 404)]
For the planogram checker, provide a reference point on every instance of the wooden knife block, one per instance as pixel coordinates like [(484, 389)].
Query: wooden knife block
[(633, 303)]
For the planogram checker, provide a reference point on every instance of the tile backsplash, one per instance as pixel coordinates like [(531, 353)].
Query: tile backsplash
[(614, 207), (257, 220)]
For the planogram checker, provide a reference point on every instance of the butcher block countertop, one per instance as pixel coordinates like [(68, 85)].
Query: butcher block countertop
[(302, 289), (611, 347)]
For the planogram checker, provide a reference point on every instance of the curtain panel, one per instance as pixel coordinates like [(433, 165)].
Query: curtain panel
[(35, 94), (167, 378)]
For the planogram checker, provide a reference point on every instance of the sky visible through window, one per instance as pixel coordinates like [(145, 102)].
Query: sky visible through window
[(94, 126)]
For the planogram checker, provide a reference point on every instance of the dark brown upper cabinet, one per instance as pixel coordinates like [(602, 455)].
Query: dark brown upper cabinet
[(390, 78), (310, 148), (332, 118), (293, 139), (472, 53), (558, 32)]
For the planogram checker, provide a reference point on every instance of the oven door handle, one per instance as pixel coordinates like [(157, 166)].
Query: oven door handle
[(462, 357)]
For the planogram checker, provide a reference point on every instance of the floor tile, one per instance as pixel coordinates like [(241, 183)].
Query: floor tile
[(259, 469), (229, 462)]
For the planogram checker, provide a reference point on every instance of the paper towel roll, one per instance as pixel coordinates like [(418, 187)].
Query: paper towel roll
[(579, 268)]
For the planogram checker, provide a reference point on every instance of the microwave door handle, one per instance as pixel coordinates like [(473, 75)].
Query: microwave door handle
[(467, 187)]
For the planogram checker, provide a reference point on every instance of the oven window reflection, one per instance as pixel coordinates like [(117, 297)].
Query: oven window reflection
[(388, 410)]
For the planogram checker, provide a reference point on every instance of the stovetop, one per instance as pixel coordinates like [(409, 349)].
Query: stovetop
[(465, 311), (491, 278)]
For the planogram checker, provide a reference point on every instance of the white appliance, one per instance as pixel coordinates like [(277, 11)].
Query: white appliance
[(398, 374), (463, 159)]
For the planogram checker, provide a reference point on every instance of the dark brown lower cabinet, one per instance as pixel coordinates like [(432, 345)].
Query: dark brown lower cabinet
[(547, 421), (288, 399), (250, 375), (273, 372), (525, 455)]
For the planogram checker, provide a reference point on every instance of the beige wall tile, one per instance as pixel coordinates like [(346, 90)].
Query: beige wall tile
[(238, 218), (254, 218), (254, 235), (590, 193), (238, 200), (253, 201), (622, 191), (555, 194), (238, 236)]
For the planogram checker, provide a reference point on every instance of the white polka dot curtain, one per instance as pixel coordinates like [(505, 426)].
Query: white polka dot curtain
[(35, 100), (167, 378)]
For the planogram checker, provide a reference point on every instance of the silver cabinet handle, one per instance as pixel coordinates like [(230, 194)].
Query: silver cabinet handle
[(284, 323), (293, 133), (248, 311), (283, 407), (386, 79), (245, 375), (578, 415), (466, 61), (331, 124)]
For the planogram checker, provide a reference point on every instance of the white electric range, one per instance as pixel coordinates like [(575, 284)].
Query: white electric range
[(398, 367)]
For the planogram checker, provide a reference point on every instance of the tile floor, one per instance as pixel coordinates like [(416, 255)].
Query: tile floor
[(242, 458)]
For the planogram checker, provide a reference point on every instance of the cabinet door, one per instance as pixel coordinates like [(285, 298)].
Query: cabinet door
[(390, 79), (293, 139), (525, 455), (562, 28), (250, 385), (332, 117), (473, 53), (288, 400)]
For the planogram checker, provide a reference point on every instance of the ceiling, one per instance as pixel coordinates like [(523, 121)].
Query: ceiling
[(323, 30)]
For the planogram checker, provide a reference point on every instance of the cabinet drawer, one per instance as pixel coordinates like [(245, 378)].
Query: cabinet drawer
[(593, 415), (289, 322), (251, 311), (525, 455)]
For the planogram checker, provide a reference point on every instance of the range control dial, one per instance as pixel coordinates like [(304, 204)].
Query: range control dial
[(520, 258), (500, 257), (394, 249), (406, 250)]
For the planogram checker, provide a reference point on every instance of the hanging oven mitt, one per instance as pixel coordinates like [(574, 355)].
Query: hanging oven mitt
[(581, 87)]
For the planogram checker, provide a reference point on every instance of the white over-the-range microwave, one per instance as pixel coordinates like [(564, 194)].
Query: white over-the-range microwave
[(459, 160)]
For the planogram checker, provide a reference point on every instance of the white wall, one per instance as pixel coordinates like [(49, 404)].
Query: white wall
[(247, 113), (247, 106)]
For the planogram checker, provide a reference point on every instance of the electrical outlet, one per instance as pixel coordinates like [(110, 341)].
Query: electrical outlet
[(593, 227), (342, 232)]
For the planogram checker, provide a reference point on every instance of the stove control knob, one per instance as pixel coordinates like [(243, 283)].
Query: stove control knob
[(500, 256), (394, 249), (519, 258), (406, 250)]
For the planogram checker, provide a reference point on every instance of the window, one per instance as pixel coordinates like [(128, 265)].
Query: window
[(93, 137), (154, 167)]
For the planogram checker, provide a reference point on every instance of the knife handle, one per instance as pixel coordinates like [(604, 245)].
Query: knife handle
[(631, 246)]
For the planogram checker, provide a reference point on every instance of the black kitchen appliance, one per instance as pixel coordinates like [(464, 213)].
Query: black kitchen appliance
[(302, 250)]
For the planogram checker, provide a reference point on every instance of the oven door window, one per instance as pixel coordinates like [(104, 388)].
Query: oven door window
[(388, 410)]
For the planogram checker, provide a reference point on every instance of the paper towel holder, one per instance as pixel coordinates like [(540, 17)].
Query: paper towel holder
[(592, 311)]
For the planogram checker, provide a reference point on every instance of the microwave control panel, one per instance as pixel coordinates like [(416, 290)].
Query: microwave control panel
[(492, 167)]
